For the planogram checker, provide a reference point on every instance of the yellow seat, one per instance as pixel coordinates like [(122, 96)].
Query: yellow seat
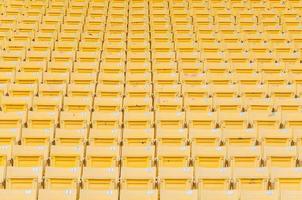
[(28, 78), (173, 156), (50, 104), (109, 120), (103, 90), (138, 178), (102, 156), (138, 120), (287, 179), (37, 137), (77, 104), (209, 157), (240, 137), (24, 178), (100, 178), (175, 178), (291, 120), (138, 137), (52, 90), (138, 156), (275, 137), (42, 119), (168, 104), (68, 137), (59, 67), (29, 156), (62, 178), (265, 120), (12, 120), (15, 104), (280, 156), (167, 90), (244, 156), (251, 178), (254, 91), (290, 195), (36, 66), (259, 105), (86, 66), (66, 156), (73, 120), (213, 179)]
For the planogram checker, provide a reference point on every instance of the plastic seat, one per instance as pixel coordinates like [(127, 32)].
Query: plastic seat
[(240, 137), (81, 90), (233, 120), (168, 104), (138, 79), (291, 120), (207, 121), (261, 195), (275, 137), (29, 156), (23, 178), (50, 104), (136, 104), (170, 119), (102, 156), (179, 195), (55, 78), (138, 120), (108, 104), (224, 91), (47, 194), (213, 178), (77, 104), (105, 137), (36, 66), (196, 91), (167, 90), (254, 91), (138, 194), (73, 120), (244, 157), (50, 90), (286, 178), (67, 137), (28, 78), (86, 66), (209, 157), (138, 178), (251, 178), (260, 105), (49, 119), (15, 104), (171, 156), (62, 178), (109, 120), (37, 137), (12, 120), (228, 105), (278, 156), (138, 156), (59, 67), (265, 120), (100, 178), (96, 194), (175, 178), (66, 156)]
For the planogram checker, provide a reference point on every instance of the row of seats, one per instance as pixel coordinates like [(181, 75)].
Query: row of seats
[(146, 104), (148, 136), (169, 153), (45, 194)]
